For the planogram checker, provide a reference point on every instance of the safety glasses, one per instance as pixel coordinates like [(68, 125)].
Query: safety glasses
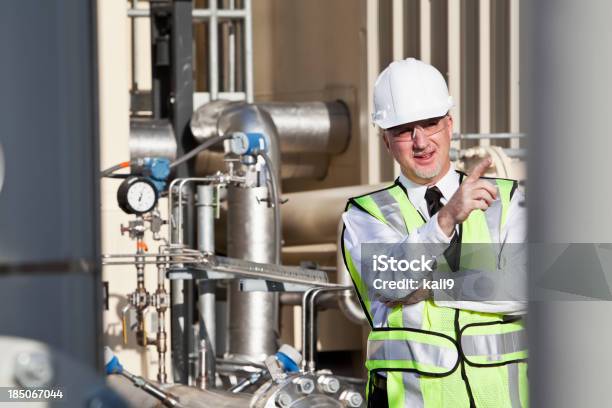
[(428, 127)]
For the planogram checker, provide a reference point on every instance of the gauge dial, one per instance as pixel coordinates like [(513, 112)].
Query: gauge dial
[(137, 195)]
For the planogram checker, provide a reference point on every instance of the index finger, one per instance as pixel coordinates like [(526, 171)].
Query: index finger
[(479, 170)]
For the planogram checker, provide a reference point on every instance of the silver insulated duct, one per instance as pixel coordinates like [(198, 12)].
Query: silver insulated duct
[(309, 133), (253, 316)]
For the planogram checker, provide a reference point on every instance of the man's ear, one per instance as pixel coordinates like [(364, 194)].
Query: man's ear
[(385, 139)]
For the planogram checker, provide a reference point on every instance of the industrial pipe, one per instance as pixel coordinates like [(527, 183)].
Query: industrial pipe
[(151, 138), (189, 397), (308, 132), (347, 301), (311, 217), (303, 127), (253, 316)]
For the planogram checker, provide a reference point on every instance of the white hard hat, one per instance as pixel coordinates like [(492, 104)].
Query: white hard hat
[(407, 91)]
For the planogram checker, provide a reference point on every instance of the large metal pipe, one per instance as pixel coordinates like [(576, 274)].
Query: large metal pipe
[(310, 127), (303, 127), (253, 316), (151, 138), (311, 217), (189, 397), (309, 132)]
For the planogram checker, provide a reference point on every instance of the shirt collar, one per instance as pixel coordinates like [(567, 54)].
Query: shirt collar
[(416, 192)]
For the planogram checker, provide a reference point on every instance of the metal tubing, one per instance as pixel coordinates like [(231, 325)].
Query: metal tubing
[(175, 231), (140, 296), (347, 300), (306, 327), (162, 304), (247, 269), (309, 312), (177, 316), (203, 381), (329, 301), (167, 399)]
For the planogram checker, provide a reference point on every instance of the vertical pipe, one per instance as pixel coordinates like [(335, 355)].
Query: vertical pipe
[(181, 102), (134, 48), (177, 317), (161, 306), (213, 50), (248, 51), (567, 105), (206, 218), (253, 316), (206, 288)]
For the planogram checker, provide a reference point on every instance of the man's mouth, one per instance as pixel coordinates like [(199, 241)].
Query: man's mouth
[(423, 158)]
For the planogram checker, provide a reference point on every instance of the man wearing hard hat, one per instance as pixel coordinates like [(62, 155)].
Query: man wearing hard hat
[(422, 351)]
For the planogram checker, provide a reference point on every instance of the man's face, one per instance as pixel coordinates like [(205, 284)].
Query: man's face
[(421, 148)]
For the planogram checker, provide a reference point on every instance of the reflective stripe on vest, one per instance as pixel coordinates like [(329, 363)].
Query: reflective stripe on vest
[(485, 344), (483, 340), (424, 353)]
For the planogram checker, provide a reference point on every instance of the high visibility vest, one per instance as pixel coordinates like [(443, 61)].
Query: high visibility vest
[(437, 356)]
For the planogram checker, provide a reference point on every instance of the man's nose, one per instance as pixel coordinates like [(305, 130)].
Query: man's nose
[(419, 139)]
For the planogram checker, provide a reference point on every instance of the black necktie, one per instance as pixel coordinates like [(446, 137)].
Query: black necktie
[(433, 197)]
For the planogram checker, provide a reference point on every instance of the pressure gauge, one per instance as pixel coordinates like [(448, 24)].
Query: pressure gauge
[(137, 195)]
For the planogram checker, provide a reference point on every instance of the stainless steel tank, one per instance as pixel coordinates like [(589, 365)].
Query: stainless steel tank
[(253, 316)]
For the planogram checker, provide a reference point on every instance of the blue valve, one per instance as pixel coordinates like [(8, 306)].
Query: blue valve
[(247, 143), (111, 362), (158, 171), (289, 358)]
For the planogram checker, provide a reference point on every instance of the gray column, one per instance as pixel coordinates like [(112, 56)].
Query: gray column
[(567, 100)]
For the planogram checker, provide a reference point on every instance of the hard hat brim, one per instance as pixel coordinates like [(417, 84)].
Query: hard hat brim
[(387, 123)]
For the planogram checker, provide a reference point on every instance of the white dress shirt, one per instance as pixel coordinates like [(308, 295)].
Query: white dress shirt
[(361, 228)]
